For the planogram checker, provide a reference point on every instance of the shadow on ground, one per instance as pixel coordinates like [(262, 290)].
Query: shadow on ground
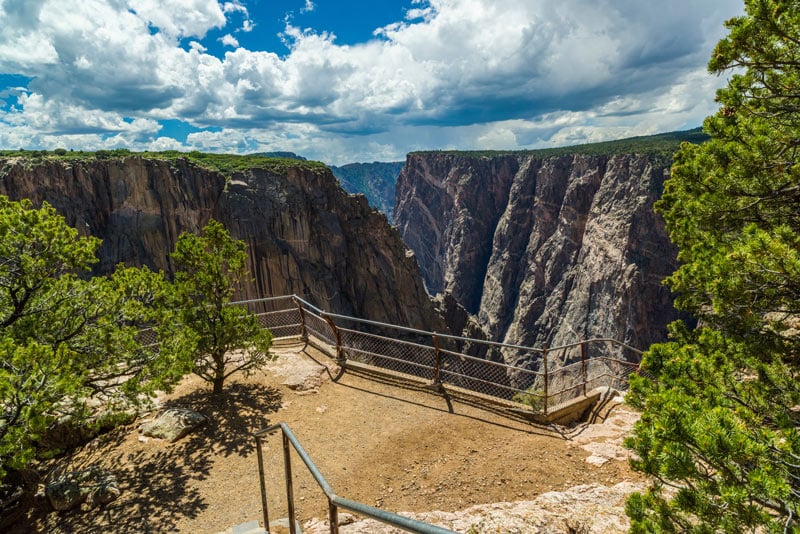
[(158, 481), (509, 419), (233, 417)]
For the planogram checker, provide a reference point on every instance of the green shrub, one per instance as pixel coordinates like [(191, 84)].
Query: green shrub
[(532, 397)]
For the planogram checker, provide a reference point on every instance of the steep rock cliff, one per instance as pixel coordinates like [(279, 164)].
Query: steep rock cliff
[(543, 250), (305, 235)]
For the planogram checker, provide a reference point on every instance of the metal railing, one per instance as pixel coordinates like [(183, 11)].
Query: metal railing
[(537, 379), (334, 501)]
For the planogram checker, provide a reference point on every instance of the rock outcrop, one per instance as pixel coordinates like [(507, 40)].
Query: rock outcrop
[(304, 234), (543, 250), (173, 424), (94, 486), (589, 508)]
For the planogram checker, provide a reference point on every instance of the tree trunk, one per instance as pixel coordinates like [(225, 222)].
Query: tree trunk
[(218, 381), (219, 373)]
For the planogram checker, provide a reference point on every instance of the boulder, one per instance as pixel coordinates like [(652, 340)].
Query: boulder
[(300, 374), (173, 424), (93, 486)]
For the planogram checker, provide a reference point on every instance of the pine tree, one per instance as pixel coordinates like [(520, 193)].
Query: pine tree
[(718, 432), (66, 338), (229, 339)]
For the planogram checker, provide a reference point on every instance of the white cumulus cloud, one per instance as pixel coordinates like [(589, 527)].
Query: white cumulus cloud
[(460, 73), (229, 40), (180, 18)]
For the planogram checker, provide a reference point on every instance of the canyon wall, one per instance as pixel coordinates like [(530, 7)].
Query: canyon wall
[(536, 250), (304, 234), (544, 251)]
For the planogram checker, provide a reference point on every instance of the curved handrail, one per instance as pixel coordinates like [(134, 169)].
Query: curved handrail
[(309, 305), (411, 330), (334, 501)]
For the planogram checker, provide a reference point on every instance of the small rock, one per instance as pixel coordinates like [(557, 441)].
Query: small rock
[(346, 519), (173, 424), (92, 486)]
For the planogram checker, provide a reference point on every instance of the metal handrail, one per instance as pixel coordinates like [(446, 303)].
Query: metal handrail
[(428, 333), (411, 330), (436, 371), (334, 501), (309, 305), (263, 299)]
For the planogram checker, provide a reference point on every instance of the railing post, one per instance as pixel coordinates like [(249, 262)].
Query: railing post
[(437, 362), (287, 472), (583, 366), (303, 329), (260, 455), (546, 379), (333, 517), (341, 358)]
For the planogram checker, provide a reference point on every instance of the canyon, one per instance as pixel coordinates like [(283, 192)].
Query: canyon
[(540, 247), (528, 248), (374, 180), (525, 248), (543, 250), (304, 234)]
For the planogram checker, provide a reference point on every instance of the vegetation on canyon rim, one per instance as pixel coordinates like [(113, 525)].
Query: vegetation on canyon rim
[(226, 164), (66, 338), (660, 147), (719, 426)]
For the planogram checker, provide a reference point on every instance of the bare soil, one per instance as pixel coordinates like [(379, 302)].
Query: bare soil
[(376, 442)]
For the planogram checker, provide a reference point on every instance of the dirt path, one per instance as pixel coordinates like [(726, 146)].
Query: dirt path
[(394, 447)]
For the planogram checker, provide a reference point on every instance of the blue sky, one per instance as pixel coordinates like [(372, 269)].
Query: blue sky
[(352, 80)]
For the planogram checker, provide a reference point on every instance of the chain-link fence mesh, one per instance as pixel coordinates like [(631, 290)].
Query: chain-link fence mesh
[(281, 315), (148, 337), (281, 323), (535, 378), (487, 377), (388, 353)]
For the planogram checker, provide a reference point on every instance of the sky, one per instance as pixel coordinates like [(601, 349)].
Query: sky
[(352, 80)]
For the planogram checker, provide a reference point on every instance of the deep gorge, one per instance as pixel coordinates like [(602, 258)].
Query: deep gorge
[(521, 248)]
